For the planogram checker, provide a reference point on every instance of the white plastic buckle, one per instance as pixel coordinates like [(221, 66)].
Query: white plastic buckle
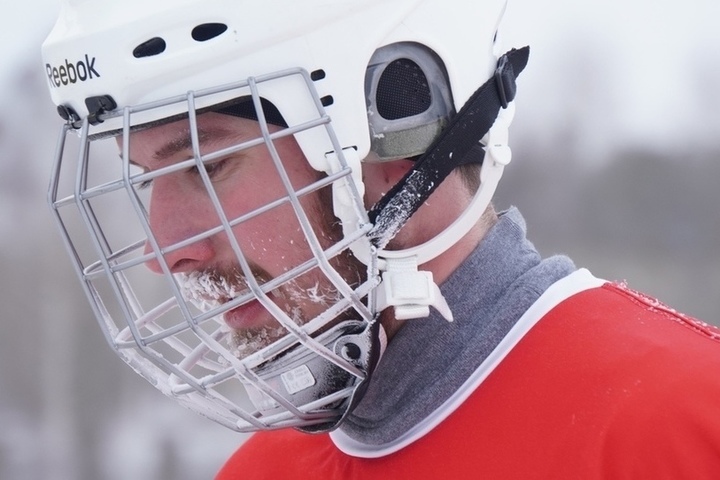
[(347, 201), (409, 291), (497, 150)]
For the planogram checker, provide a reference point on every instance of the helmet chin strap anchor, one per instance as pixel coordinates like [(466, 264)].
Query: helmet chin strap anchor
[(409, 291), (477, 134)]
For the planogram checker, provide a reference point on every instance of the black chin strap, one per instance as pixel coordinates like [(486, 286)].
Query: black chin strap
[(458, 144)]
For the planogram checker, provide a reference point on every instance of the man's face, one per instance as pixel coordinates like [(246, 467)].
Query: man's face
[(273, 242)]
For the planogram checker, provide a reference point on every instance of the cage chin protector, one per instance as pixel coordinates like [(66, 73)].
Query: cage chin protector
[(306, 378), (325, 75)]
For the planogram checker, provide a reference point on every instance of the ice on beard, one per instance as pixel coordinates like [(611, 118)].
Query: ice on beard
[(206, 290), (246, 343)]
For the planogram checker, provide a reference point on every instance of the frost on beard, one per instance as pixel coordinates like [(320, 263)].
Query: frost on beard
[(209, 290), (248, 342)]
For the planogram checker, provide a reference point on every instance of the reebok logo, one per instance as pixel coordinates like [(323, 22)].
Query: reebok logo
[(68, 73)]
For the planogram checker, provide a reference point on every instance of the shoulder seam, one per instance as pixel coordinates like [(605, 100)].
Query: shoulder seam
[(656, 306)]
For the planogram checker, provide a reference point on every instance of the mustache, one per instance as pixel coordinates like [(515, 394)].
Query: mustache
[(211, 287)]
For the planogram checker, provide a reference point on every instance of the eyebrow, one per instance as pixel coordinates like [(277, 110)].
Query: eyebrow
[(183, 142)]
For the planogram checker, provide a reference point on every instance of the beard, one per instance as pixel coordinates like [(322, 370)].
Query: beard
[(301, 298)]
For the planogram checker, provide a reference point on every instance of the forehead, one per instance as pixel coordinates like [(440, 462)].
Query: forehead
[(165, 141)]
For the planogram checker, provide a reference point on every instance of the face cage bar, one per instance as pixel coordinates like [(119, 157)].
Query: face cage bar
[(175, 379)]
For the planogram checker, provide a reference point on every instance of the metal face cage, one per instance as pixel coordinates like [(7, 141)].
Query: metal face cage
[(309, 375)]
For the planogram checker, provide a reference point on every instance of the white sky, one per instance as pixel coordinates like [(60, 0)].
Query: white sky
[(23, 30), (617, 70), (635, 71)]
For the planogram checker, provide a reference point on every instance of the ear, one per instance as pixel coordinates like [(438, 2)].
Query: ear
[(379, 178)]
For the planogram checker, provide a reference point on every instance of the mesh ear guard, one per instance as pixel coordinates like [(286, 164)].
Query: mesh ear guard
[(450, 149), (408, 98), (402, 90)]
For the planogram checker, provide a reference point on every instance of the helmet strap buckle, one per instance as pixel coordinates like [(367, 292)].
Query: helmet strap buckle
[(409, 291)]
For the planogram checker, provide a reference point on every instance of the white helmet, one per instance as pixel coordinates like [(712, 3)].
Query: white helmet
[(350, 81)]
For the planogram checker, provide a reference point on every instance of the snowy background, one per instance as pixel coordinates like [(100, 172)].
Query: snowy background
[(617, 151)]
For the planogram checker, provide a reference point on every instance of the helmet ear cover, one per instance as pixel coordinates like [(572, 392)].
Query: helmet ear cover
[(408, 100), (457, 145)]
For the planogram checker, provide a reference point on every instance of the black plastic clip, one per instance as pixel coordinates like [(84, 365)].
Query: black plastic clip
[(505, 81), (68, 114), (97, 106)]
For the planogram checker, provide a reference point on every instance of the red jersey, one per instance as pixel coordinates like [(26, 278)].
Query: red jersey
[(608, 384)]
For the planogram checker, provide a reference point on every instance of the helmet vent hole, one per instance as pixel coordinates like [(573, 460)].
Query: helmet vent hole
[(207, 31), (317, 75), (327, 101), (150, 48), (403, 90)]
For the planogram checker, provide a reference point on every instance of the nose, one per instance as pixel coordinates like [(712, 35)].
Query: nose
[(176, 215)]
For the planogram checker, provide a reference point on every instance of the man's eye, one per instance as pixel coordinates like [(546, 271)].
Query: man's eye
[(213, 168), (144, 185), (135, 171)]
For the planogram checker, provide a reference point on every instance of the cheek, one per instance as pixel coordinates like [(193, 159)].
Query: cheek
[(274, 240), (380, 177)]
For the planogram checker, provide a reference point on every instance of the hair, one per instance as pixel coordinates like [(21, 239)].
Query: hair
[(470, 176)]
